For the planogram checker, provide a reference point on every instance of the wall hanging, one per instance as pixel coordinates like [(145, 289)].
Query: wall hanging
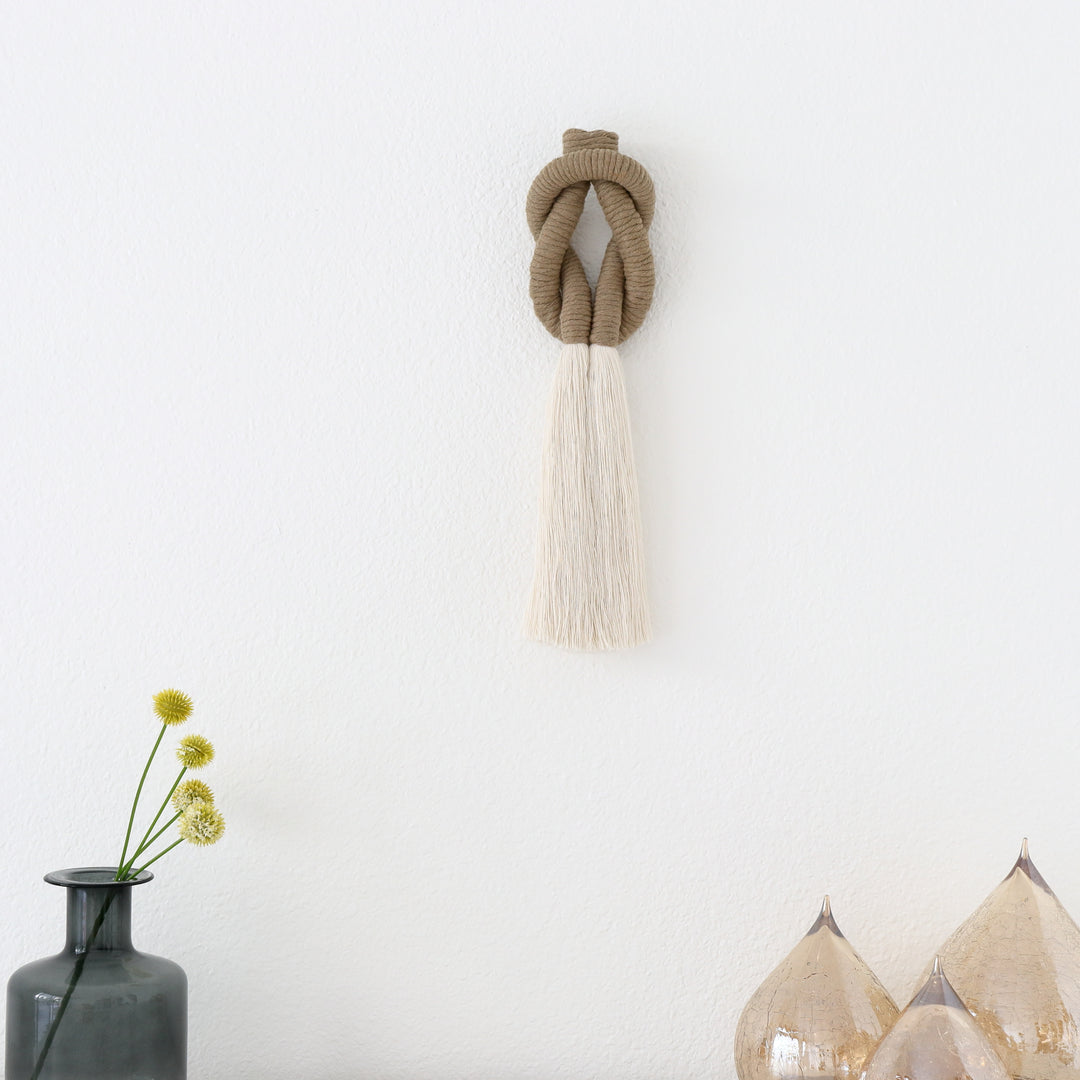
[(589, 585)]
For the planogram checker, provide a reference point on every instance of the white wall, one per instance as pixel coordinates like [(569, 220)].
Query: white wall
[(271, 410)]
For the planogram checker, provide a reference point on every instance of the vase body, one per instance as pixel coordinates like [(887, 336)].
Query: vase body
[(100, 1009)]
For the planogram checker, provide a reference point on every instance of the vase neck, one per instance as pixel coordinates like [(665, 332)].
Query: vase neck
[(98, 919)]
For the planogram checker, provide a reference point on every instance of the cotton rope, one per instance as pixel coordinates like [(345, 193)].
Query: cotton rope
[(589, 587)]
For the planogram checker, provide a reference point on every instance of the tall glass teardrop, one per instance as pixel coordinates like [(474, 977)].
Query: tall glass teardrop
[(1016, 964), (818, 1015)]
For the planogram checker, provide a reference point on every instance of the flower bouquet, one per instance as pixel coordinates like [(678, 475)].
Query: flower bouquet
[(100, 1009)]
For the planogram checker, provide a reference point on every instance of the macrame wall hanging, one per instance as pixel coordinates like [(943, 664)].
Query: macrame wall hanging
[(589, 584)]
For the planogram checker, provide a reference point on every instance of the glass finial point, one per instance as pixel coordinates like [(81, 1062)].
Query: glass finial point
[(1024, 864), (825, 919)]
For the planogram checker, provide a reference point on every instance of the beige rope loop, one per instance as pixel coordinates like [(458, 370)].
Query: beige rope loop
[(560, 292)]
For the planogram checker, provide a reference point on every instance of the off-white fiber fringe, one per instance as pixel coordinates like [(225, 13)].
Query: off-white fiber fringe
[(589, 586)]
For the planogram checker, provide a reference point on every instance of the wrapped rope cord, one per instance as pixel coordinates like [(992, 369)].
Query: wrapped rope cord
[(589, 587)]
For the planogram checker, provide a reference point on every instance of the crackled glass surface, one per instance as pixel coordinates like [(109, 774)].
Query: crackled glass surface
[(1016, 964), (936, 1038), (818, 1015)]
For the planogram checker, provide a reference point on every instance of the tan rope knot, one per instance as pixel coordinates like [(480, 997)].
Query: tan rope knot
[(560, 292)]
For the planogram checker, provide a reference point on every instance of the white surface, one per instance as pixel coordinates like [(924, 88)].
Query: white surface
[(271, 417)]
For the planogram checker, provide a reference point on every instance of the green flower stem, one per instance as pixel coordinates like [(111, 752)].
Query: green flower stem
[(150, 843), (144, 843), (138, 792), (158, 856)]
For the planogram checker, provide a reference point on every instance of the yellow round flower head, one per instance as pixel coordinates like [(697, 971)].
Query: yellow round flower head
[(202, 824), (189, 792), (194, 752), (172, 706)]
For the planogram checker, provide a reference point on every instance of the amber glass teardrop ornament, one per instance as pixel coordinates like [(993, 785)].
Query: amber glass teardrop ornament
[(1016, 965), (819, 1014), (935, 1038)]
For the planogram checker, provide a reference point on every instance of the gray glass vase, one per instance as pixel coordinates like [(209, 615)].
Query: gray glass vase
[(99, 1010)]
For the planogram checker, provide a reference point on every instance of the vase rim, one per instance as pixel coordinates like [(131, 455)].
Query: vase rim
[(89, 877)]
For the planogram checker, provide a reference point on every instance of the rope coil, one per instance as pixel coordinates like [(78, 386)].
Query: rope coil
[(559, 289)]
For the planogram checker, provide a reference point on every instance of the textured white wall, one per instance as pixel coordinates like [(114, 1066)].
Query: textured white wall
[(271, 410)]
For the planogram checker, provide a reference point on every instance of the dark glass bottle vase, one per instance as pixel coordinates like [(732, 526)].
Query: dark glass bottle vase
[(99, 1010)]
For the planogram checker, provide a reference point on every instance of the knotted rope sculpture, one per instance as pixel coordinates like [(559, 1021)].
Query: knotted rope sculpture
[(589, 585)]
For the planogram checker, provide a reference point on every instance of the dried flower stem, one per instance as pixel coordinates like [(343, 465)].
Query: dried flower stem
[(134, 805)]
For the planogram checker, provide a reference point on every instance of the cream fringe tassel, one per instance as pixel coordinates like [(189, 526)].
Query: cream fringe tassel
[(589, 586)]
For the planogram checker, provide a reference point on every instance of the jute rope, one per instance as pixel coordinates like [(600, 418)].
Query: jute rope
[(560, 292)]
